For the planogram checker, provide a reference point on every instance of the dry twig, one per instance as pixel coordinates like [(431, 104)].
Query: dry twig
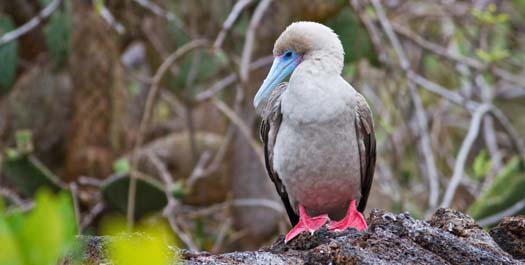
[(91, 215), (111, 20), (169, 210), (76, 207), (421, 117), (243, 128), (246, 202), (250, 38), (148, 109), (228, 23), (461, 159), (230, 79), (31, 24), (159, 11), (12, 196)]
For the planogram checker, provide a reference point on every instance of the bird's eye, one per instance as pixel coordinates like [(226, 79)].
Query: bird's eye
[(288, 54)]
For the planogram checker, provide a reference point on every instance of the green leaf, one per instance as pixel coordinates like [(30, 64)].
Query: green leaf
[(41, 236), (28, 174), (10, 253), (481, 165), (8, 56), (150, 196), (489, 15), (493, 55), (505, 191), (178, 190), (12, 153), (122, 166), (148, 244), (483, 55), (24, 142), (57, 32)]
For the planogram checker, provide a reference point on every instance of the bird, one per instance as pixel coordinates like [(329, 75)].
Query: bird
[(317, 131)]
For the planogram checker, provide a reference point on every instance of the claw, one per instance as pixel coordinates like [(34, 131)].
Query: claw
[(352, 219), (306, 224)]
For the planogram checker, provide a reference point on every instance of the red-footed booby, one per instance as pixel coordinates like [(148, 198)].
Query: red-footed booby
[(318, 132)]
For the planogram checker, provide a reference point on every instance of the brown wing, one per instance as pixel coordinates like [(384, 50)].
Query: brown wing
[(367, 148), (269, 128)]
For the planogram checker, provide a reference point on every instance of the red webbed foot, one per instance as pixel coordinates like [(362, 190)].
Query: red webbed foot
[(352, 219), (306, 224)]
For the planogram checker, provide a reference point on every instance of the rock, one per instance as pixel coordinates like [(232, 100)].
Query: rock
[(449, 237), (510, 236)]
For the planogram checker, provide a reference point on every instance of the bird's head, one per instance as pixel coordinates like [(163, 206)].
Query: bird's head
[(307, 43)]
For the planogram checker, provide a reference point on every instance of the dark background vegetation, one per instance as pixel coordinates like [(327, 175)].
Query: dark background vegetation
[(158, 93)]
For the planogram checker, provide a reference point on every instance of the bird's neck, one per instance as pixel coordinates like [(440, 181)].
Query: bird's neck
[(314, 96), (315, 69)]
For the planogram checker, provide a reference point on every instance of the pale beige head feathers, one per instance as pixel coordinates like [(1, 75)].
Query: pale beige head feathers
[(315, 42)]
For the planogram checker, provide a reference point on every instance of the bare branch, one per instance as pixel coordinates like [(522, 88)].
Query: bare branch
[(371, 28), (517, 142), (159, 11), (426, 148), (226, 225), (198, 170), (250, 38), (93, 213), (511, 93), (387, 27), (443, 92), (437, 49), (228, 23), (243, 128), (459, 167), (421, 117), (31, 24), (111, 20), (489, 133), (148, 109), (12, 196), (73, 188), (90, 181), (446, 53), (230, 79), (247, 202), (169, 210), (493, 219)]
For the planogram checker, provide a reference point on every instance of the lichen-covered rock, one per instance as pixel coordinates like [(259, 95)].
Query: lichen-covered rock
[(510, 236), (449, 237)]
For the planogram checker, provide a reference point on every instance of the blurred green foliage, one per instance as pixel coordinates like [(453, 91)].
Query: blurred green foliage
[(122, 166), (354, 37), (481, 165), (489, 15), (208, 66), (23, 170), (152, 196), (57, 32), (148, 243), (178, 190), (505, 191), (8, 56), (41, 236), (28, 174)]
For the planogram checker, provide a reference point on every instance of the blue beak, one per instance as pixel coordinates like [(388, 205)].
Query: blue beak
[(282, 67)]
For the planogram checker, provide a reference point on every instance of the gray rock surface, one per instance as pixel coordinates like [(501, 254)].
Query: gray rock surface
[(449, 237)]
